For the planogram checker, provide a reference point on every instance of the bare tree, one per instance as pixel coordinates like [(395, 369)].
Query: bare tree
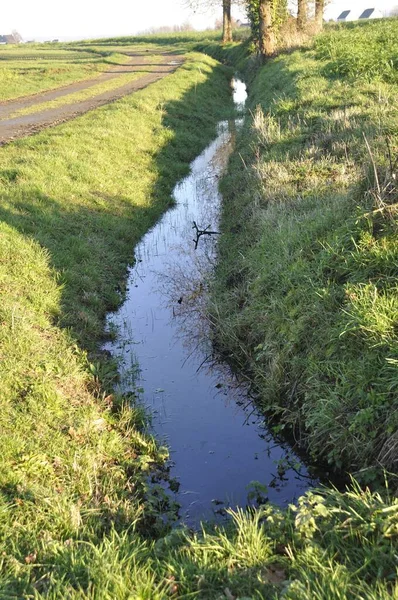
[(17, 36), (319, 9), (203, 5), (267, 39), (301, 14), (226, 22), (169, 29), (235, 23)]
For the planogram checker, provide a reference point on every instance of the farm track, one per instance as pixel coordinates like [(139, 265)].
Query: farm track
[(20, 126)]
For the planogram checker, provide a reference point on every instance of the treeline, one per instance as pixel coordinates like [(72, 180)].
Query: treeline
[(266, 18), (169, 29)]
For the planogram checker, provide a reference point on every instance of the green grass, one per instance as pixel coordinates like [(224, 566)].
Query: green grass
[(367, 50), (237, 54), (86, 94), (74, 460), (74, 202), (29, 69), (306, 298), (330, 546), (108, 165), (80, 518)]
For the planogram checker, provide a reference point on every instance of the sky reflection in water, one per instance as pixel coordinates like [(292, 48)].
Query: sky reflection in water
[(217, 443)]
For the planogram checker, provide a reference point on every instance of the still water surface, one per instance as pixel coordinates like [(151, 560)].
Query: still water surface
[(218, 443)]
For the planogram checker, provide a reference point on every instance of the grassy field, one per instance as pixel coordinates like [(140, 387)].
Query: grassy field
[(367, 50), (36, 68), (175, 42), (308, 239), (33, 68), (306, 298), (91, 92)]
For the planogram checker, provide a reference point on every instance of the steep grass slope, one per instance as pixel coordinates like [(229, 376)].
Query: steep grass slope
[(75, 200), (306, 298)]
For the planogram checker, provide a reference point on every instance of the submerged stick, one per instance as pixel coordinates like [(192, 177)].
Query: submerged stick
[(200, 232)]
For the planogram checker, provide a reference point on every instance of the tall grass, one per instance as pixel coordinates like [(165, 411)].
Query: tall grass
[(331, 545), (306, 298), (367, 51)]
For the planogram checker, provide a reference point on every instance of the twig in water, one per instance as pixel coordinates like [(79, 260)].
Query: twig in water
[(200, 232), (249, 415)]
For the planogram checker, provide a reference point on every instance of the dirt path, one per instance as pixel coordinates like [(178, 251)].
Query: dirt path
[(20, 126)]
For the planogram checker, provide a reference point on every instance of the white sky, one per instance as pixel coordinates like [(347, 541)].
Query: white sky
[(78, 19)]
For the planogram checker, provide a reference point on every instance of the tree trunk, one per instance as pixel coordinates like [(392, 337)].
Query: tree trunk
[(226, 22), (319, 8), (266, 30), (301, 14)]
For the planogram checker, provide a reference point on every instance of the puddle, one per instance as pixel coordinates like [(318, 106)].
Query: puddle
[(218, 444)]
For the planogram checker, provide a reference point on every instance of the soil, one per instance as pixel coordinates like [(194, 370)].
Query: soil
[(21, 126)]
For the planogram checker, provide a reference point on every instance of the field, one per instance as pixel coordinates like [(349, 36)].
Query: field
[(361, 51), (34, 68), (77, 96), (29, 70), (305, 302)]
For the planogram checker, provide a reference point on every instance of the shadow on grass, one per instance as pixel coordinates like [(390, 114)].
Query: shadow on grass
[(90, 233), (91, 240)]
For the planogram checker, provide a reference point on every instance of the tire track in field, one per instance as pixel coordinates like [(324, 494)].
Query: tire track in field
[(24, 125)]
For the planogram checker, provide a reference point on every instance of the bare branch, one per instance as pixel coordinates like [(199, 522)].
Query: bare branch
[(200, 232)]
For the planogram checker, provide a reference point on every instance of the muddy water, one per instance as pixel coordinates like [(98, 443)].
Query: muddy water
[(218, 444)]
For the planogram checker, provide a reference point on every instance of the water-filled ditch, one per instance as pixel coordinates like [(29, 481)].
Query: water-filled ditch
[(219, 445)]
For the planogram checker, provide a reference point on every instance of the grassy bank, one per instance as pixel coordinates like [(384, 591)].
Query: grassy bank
[(115, 170), (306, 299), (74, 202), (79, 519)]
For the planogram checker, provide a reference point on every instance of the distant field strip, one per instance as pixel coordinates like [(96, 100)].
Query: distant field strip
[(19, 105), (26, 116), (91, 91), (37, 54), (32, 71)]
